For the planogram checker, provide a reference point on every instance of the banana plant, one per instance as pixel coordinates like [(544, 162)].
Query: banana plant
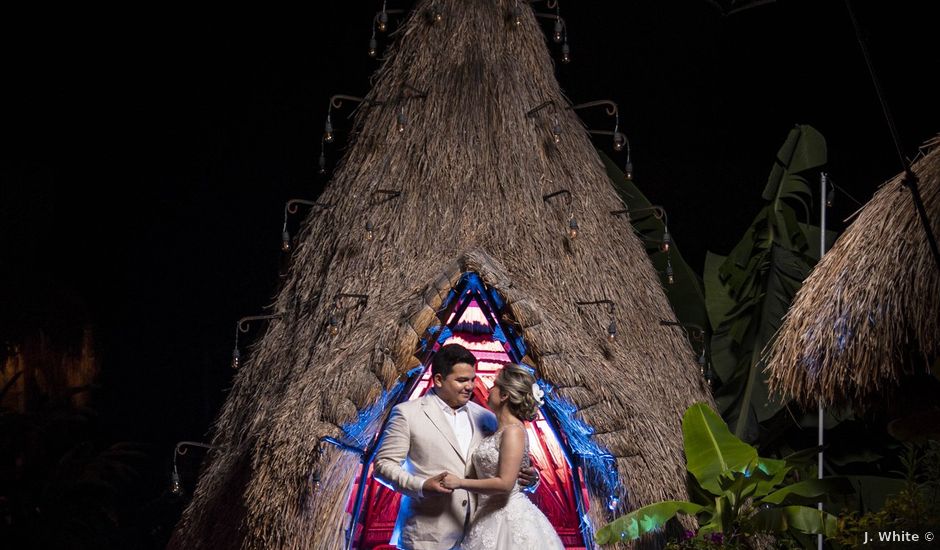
[(748, 291), (739, 493)]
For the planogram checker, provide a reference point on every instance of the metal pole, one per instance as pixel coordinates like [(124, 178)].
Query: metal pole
[(822, 252)]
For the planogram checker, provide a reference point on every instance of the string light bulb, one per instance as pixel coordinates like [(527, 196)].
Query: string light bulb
[(628, 170), (830, 197), (328, 130), (176, 487), (333, 325), (516, 16), (670, 275), (667, 240), (383, 21), (573, 228), (236, 358), (436, 15), (402, 120), (373, 47), (556, 131), (285, 241), (556, 36), (701, 360), (565, 53), (370, 234), (322, 163), (612, 331), (613, 502), (619, 141)]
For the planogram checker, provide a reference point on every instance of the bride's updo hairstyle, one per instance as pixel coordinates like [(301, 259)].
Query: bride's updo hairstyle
[(516, 382)]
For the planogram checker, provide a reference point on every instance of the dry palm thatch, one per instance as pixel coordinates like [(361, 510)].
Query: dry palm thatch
[(471, 169), (869, 310)]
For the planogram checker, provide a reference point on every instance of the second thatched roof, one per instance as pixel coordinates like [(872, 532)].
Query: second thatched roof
[(871, 309)]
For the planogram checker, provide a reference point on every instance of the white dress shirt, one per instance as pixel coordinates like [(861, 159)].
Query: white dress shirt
[(460, 422)]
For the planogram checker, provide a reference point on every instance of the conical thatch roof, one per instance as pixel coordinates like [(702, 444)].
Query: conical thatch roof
[(871, 307), (472, 170)]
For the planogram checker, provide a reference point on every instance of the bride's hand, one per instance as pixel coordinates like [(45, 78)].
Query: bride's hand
[(451, 481)]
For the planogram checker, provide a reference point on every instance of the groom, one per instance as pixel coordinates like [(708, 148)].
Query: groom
[(436, 434)]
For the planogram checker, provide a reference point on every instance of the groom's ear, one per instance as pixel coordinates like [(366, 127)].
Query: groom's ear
[(437, 380)]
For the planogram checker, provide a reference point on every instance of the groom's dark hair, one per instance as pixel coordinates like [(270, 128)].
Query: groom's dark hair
[(448, 356)]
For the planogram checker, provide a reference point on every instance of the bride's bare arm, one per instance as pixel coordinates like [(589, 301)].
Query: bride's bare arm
[(511, 448)]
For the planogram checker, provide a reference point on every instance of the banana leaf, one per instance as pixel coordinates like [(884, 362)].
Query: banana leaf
[(644, 520), (749, 291), (804, 491), (710, 448), (798, 518)]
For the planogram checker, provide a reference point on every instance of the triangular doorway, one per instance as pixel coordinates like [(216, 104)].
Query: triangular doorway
[(473, 316)]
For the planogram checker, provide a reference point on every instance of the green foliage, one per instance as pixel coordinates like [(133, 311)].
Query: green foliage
[(739, 493), (749, 291)]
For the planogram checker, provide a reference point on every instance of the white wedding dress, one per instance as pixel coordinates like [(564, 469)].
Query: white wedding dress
[(508, 521)]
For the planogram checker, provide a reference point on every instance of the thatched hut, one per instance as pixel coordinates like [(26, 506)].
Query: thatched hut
[(870, 311), (438, 208)]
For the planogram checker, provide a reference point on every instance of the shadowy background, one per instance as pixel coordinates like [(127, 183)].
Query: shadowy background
[(147, 155)]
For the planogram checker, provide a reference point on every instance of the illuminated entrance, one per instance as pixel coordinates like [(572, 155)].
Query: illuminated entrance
[(473, 318)]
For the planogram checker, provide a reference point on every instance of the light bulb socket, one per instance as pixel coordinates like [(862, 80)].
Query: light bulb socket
[(612, 330), (402, 121), (373, 47), (628, 170), (383, 21), (666, 242), (573, 228), (370, 234), (670, 275), (328, 130), (515, 15), (285, 241), (321, 163), (565, 53), (236, 356), (830, 197), (556, 36)]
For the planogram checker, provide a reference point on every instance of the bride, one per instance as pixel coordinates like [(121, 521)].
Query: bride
[(506, 519)]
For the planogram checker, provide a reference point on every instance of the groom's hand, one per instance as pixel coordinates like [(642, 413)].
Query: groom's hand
[(528, 477), (436, 484)]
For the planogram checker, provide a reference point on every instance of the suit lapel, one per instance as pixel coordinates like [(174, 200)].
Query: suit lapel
[(436, 415)]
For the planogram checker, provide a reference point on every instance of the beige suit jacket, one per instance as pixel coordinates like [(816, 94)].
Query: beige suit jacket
[(419, 443)]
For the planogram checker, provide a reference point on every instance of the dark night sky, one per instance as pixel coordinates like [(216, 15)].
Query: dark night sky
[(147, 156)]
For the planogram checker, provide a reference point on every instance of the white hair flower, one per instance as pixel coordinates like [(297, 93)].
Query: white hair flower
[(538, 394)]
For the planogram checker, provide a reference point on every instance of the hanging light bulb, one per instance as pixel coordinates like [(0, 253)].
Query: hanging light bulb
[(613, 502), (667, 240), (383, 21), (556, 36), (436, 15), (322, 163), (830, 197), (285, 241), (328, 130), (402, 120), (370, 235), (612, 331), (628, 170), (176, 487), (333, 325), (235, 358), (556, 131), (516, 16), (709, 377), (619, 141), (565, 53), (572, 228), (373, 47), (701, 360), (670, 276)]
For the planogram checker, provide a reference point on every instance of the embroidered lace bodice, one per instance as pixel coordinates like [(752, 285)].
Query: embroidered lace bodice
[(509, 521)]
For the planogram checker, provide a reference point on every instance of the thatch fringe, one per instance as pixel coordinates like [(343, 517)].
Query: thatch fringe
[(472, 169), (870, 310)]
